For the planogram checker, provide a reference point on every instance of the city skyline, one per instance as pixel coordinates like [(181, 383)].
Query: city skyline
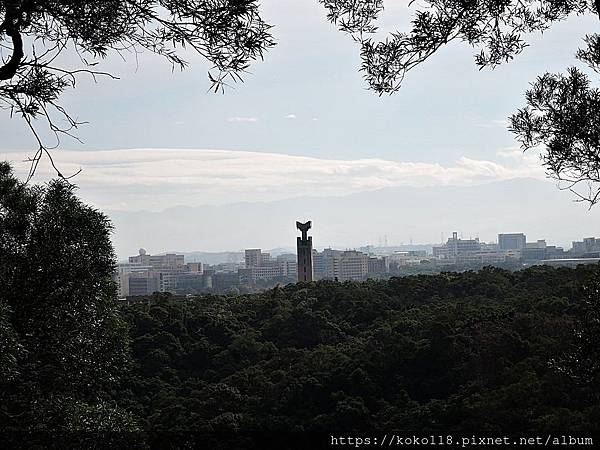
[(283, 249), (390, 247), (256, 270)]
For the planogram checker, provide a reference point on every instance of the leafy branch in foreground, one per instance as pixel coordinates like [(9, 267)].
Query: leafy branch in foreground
[(562, 115), (496, 28), (230, 34)]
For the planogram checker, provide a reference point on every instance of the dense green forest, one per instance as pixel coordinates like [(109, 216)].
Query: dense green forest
[(488, 352)]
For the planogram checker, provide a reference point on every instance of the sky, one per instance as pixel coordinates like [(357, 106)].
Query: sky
[(301, 124)]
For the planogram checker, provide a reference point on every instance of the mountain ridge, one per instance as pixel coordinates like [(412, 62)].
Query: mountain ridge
[(420, 214)]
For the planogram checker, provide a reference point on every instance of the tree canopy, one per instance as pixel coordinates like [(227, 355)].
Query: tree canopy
[(494, 351), (63, 343), (560, 116)]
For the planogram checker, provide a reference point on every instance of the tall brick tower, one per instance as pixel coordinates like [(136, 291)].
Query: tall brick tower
[(305, 252)]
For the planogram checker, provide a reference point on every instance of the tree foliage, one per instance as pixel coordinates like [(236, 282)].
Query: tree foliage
[(454, 353), (562, 116), (582, 360), (63, 343), (496, 28)]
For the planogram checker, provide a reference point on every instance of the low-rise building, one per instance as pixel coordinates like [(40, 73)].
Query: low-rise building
[(456, 248), (157, 261), (225, 281), (340, 264), (512, 241), (588, 246), (378, 266), (260, 266), (141, 283)]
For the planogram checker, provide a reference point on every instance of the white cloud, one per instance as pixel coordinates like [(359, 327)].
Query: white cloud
[(290, 116), (156, 179), (516, 154), (242, 119)]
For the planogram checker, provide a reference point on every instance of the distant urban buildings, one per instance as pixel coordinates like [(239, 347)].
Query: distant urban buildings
[(344, 265), (456, 248), (511, 248), (588, 246), (512, 241), (260, 266), (168, 260), (341, 265), (144, 274)]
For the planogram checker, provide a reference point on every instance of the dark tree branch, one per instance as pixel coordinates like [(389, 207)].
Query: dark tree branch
[(9, 70)]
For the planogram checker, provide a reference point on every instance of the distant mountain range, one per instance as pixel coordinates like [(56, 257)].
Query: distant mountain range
[(426, 215)]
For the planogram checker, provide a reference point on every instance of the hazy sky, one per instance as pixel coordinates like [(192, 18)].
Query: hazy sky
[(302, 123)]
